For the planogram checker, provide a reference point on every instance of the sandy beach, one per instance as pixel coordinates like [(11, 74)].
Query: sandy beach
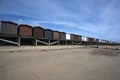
[(59, 63)]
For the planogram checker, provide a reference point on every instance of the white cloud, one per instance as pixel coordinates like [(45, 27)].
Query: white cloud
[(35, 24), (71, 25), (20, 21)]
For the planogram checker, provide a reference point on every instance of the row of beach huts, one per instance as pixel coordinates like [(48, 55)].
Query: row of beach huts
[(23, 34)]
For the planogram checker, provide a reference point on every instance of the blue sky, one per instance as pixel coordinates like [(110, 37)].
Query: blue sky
[(94, 18)]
